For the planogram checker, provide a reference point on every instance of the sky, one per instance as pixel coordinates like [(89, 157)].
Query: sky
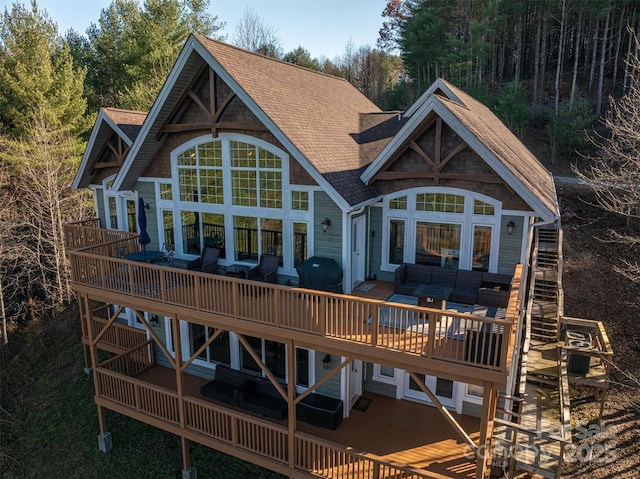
[(324, 27)]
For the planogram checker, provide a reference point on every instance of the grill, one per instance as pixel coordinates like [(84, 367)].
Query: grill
[(323, 274)]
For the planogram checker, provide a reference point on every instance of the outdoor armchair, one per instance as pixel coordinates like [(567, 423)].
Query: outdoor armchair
[(207, 262), (266, 270)]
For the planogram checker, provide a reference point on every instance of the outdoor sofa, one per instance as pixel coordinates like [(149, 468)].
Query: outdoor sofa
[(468, 287), (259, 396)]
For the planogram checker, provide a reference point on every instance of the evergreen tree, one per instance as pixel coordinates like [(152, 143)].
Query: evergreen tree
[(132, 49), (37, 74)]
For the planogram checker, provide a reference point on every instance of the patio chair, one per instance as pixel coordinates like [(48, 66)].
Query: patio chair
[(266, 270), (207, 262), (168, 252)]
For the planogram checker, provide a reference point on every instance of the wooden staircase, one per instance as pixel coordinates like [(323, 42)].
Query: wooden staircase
[(547, 290), (531, 432)]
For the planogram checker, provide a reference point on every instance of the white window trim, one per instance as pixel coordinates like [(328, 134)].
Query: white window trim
[(467, 220), (119, 196), (285, 214), (381, 378)]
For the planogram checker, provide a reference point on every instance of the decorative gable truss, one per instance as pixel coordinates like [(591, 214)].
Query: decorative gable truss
[(435, 152), (209, 104), (112, 154)]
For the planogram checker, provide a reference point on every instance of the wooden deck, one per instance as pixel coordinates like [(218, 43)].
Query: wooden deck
[(395, 431), (543, 362)]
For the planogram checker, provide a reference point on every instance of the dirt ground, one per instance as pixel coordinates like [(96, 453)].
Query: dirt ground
[(593, 290)]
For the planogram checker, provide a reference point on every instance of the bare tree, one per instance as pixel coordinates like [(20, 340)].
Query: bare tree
[(253, 35), (614, 174), (36, 201)]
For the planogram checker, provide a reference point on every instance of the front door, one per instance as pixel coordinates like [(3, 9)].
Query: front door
[(358, 248), (356, 381)]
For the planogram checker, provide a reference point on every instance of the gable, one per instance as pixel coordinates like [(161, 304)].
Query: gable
[(111, 138), (436, 155), (210, 106), (507, 159), (309, 114)]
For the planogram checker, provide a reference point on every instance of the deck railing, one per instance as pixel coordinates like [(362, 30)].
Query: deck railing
[(460, 337), (116, 384), (118, 337)]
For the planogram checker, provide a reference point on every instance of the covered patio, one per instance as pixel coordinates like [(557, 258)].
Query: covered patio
[(391, 431)]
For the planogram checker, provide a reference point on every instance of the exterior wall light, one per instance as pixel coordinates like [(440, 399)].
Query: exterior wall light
[(510, 227), (326, 361), (325, 224)]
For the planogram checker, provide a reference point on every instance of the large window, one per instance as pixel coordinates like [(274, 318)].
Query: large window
[(232, 192), (256, 176), (226, 348), (444, 227), (200, 174)]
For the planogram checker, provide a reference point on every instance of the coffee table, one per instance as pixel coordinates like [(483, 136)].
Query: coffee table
[(433, 295)]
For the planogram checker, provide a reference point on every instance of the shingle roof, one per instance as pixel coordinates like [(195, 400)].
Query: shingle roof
[(495, 135), (129, 121), (322, 115)]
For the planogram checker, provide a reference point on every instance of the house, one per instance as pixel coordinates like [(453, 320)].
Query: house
[(256, 157)]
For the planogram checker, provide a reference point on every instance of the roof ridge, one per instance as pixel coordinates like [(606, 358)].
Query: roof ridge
[(266, 57), (138, 112)]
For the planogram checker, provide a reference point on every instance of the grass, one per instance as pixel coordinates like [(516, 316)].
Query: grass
[(49, 425)]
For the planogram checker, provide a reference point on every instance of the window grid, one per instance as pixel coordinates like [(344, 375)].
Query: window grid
[(255, 173), (398, 203), (244, 188), (165, 191), (440, 202), (271, 189), (300, 200), (211, 187), (482, 208), (188, 180), (200, 174)]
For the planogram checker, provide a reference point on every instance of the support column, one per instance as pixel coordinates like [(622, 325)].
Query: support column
[(489, 406), (105, 442), (177, 347), (188, 471), (291, 398)]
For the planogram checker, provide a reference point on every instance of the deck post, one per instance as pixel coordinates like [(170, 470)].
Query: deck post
[(93, 353), (291, 399), (177, 346), (188, 471), (489, 406)]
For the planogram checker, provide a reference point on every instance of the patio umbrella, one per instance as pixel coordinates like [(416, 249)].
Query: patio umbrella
[(143, 237)]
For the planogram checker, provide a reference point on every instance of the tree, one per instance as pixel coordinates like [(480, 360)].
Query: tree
[(614, 174), (512, 108), (37, 70), (390, 35), (253, 35), (42, 111), (566, 130), (39, 200), (132, 49), (302, 57)]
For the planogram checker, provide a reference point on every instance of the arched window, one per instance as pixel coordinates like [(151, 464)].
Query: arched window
[(232, 192), (445, 227)]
